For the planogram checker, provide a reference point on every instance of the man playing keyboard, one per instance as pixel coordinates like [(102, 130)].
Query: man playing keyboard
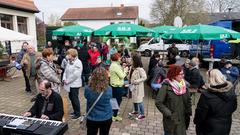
[(48, 104)]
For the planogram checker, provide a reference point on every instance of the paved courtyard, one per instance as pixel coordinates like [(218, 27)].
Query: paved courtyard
[(13, 100)]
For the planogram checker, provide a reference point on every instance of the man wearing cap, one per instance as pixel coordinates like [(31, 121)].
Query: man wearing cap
[(172, 53), (230, 72)]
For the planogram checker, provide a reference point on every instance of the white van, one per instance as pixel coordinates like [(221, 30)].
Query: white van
[(159, 45)]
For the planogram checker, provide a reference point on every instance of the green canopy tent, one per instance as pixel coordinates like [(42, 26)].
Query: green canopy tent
[(73, 30), (125, 29), (202, 32)]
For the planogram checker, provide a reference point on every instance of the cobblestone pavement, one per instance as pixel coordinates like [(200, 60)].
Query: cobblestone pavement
[(13, 100)]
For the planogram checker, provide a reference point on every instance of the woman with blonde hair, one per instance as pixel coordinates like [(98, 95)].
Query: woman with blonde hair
[(73, 81), (100, 116), (213, 115)]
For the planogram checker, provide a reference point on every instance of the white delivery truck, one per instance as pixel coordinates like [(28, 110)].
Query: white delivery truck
[(159, 45)]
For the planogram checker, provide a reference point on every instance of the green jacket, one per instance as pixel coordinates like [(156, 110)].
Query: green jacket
[(176, 110), (117, 74)]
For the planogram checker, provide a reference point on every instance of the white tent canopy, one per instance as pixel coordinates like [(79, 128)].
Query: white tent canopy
[(10, 35)]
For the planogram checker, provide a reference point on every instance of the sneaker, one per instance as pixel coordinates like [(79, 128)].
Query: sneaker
[(140, 117), (117, 118), (133, 113), (114, 118)]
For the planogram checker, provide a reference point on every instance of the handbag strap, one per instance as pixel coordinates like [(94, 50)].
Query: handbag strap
[(90, 109)]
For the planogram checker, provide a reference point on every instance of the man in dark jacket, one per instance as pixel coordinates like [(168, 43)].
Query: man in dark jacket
[(19, 59), (172, 53), (152, 63), (195, 79), (48, 104)]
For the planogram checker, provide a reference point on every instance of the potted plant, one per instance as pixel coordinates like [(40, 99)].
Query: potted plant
[(3, 60), (2, 49)]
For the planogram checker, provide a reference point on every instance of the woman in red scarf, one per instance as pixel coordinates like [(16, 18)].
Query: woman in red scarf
[(174, 102)]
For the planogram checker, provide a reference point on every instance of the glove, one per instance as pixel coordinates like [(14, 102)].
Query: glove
[(228, 72)]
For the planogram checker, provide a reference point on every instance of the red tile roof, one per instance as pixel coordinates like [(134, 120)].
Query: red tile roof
[(23, 5), (101, 13)]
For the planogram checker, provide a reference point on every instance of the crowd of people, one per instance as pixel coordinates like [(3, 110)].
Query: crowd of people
[(108, 74)]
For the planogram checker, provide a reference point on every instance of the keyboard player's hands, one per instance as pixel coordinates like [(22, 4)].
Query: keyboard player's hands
[(27, 114), (45, 117)]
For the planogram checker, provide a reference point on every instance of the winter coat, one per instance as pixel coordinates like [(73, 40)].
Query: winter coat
[(233, 75), (72, 73), (159, 74), (187, 73), (137, 80), (213, 115), (117, 74), (84, 56), (27, 67), (152, 63), (48, 71), (172, 52), (176, 109), (195, 78), (20, 56), (93, 56)]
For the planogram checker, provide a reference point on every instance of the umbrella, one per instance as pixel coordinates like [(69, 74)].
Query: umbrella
[(165, 29), (237, 41), (124, 29), (73, 30), (203, 32)]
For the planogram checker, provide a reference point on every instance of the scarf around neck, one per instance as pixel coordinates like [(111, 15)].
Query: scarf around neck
[(179, 88)]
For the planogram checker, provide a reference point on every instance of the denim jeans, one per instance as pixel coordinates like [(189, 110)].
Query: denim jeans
[(139, 107), (74, 98), (117, 93)]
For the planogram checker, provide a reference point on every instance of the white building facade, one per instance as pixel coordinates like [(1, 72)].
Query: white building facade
[(17, 17)]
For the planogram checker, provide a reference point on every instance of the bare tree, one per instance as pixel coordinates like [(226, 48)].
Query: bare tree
[(223, 5), (54, 20), (164, 11)]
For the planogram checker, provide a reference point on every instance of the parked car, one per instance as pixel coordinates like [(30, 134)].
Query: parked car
[(159, 45)]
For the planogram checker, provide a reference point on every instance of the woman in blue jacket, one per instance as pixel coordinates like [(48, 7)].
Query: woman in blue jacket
[(100, 117)]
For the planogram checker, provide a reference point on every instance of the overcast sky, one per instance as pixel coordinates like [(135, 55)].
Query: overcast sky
[(60, 6)]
